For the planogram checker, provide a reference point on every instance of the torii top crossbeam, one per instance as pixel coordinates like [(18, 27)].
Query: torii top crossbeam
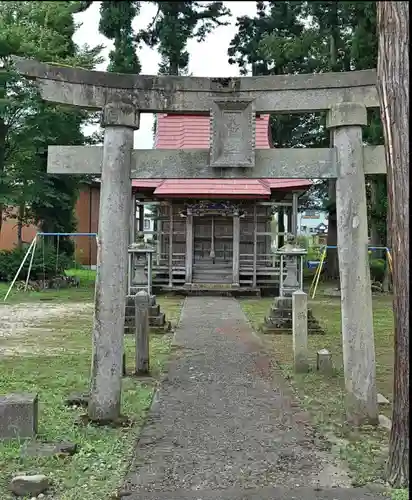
[(232, 104), (167, 94)]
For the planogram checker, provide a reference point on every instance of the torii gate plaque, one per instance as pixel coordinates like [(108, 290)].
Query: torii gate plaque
[(232, 104)]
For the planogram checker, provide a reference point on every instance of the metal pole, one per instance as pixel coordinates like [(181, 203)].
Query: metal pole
[(31, 263), (20, 268)]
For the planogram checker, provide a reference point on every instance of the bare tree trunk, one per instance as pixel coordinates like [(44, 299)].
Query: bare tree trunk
[(3, 131), (387, 278), (20, 221), (393, 88), (374, 232), (332, 262)]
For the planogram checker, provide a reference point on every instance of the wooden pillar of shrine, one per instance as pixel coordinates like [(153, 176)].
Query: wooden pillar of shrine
[(255, 246), (295, 210), (236, 248), (289, 218), (171, 245), (189, 248), (141, 217)]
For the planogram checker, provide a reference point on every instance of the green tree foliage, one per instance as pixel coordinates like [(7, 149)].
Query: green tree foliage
[(290, 37), (42, 30), (174, 24), (116, 20), (277, 41)]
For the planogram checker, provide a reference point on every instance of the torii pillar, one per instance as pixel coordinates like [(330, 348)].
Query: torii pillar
[(346, 120), (119, 121)]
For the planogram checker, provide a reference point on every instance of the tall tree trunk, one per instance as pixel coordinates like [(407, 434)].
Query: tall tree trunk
[(3, 132), (387, 277), (332, 262), (393, 88), (20, 222), (374, 231)]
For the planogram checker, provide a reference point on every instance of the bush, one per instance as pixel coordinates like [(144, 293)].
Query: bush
[(314, 253), (377, 268), (46, 264), (303, 241)]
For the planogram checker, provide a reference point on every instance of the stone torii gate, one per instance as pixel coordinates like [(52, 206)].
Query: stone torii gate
[(232, 104)]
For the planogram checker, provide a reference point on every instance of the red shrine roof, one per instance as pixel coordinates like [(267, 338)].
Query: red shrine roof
[(193, 132)]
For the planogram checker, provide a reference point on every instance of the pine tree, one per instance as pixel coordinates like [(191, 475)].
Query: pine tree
[(116, 20), (273, 42), (175, 24)]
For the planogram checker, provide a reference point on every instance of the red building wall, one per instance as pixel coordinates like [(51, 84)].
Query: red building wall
[(8, 235), (87, 213)]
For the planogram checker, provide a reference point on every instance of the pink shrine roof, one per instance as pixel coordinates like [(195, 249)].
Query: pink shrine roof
[(193, 132)]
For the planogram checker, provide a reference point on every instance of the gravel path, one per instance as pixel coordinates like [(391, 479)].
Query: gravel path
[(222, 428)]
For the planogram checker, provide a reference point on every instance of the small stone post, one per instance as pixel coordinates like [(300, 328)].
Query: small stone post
[(346, 120), (324, 362), (120, 121), (142, 333), (300, 331)]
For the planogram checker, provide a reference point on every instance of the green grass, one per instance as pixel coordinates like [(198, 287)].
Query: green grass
[(400, 495), (364, 450), (84, 292), (56, 363)]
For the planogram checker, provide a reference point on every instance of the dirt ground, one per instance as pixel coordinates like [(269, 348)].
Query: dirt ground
[(22, 320)]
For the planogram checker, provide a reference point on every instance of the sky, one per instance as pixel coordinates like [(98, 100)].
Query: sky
[(208, 58)]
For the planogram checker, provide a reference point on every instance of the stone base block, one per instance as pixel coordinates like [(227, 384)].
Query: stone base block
[(160, 330), (157, 319), (268, 329), (279, 320), (18, 415), (154, 310)]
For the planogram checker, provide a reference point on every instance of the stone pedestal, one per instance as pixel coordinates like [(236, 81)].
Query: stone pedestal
[(18, 416), (280, 318), (157, 319), (140, 266), (139, 277)]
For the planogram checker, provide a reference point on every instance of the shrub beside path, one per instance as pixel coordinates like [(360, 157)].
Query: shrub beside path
[(225, 426)]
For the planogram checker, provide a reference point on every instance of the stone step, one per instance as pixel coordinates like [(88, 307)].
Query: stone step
[(130, 300), (214, 290), (263, 493), (271, 329), (157, 320), (153, 311), (212, 279), (210, 265)]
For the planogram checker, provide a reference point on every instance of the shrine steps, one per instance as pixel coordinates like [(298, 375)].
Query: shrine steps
[(213, 290)]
